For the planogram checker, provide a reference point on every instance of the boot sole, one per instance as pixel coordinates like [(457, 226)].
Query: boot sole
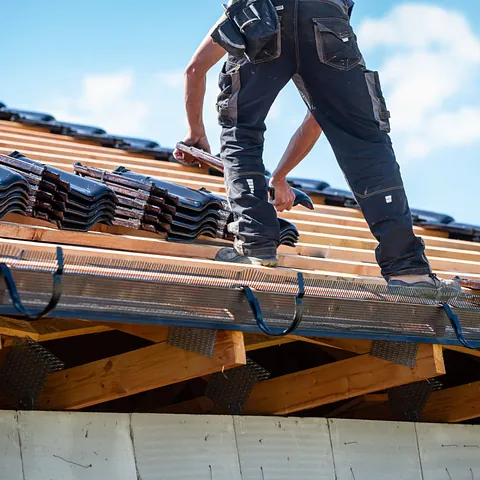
[(251, 261)]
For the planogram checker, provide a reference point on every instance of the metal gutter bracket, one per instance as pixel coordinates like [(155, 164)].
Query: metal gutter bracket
[(15, 297), (457, 327), (297, 318)]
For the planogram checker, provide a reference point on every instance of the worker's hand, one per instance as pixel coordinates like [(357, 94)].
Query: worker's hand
[(200, 142), (284, 196)]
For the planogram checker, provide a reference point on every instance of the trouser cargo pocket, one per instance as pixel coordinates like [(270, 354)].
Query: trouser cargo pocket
[(382, 115), (227, 102), (336, 43)]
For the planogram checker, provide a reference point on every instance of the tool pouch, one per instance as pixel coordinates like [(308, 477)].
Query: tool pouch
[(229, 37), (251, 30)]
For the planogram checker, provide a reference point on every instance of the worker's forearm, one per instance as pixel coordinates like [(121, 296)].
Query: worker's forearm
[(299, 147), (206, 56), (195, 88)]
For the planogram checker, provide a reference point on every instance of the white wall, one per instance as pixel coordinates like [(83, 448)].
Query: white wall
[(81, 446)]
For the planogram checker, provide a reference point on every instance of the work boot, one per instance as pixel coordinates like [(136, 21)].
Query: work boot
[(232, 256), (428, 286)]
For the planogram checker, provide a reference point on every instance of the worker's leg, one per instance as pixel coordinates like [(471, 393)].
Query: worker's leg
[(347, 101), (247, 94)]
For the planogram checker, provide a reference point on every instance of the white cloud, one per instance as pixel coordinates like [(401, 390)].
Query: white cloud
[(121, 103), (174, 79), (107, 101), (431, 59)]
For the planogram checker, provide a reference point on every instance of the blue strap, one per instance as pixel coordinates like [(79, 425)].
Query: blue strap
[(15, 297), (257, 311), (457, 327)]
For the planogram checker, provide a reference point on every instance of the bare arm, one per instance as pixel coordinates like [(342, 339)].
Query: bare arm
[(299, 147), (206, 56)]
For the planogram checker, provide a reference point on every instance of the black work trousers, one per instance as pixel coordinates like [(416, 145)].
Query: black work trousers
[(318, 50)]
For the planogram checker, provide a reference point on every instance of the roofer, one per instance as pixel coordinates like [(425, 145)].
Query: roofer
[(269, 43)]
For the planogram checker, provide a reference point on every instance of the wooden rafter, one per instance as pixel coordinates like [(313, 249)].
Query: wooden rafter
[(350, 345), (452, 405), (164, 256), (257, 341), (339, 381), (137, 248), (464, 350), (137, 371), (48, 329), (154, 333)]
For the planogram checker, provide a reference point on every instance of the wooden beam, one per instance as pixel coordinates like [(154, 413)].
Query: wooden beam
[(27, 229), (48, 329), (257, 341), (55, 328), (348, 240), (119, 255), (353, 345), (89, 152), (376, 398), (154, 333), (7, 342), (340, 381), (17, 328), (453, 405), (440, 259), (318, 265), (137, 371), (464, 350), (40, 135), (333, 247)]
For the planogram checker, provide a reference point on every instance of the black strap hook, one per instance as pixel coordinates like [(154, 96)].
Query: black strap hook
[(56, 291), (297, 318), (457, 327)]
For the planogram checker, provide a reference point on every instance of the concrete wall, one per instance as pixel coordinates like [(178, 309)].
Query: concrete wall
[(81, 446)]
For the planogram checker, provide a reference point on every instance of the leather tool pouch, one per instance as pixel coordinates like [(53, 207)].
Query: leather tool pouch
[(251, 30)]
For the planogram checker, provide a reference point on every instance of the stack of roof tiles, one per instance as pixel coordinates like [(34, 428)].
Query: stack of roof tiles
[(288, 233), (15, 193), (177, 213), (60, 197)]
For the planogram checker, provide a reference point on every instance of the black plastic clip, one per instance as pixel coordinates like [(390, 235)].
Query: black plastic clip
[(457, 327), (56, 291), (297, 318)]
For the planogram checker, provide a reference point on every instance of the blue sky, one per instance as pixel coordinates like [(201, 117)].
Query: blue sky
[(118, 64)]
